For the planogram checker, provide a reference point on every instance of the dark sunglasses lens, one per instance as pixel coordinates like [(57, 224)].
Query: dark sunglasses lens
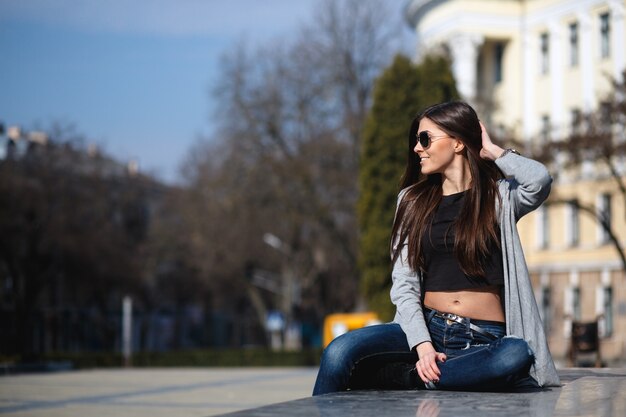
[(424, 139)]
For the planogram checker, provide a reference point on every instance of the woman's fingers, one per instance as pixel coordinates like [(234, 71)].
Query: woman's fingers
[(484, 135), (489, 151), (427, 366), (428, 370)]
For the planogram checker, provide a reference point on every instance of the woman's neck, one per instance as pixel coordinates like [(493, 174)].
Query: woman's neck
[(456, 178)]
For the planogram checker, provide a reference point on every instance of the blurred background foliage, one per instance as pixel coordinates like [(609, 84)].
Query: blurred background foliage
[(401, 91)]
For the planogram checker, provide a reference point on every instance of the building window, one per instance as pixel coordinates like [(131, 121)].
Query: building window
[(572, 226), (605, 117), (605, 35), (543, 227), (571, 304), (544, 42), (546, 307), (576, 121), (573, 44), (604, 214), (605, 113), (497, 63), (545, 128)]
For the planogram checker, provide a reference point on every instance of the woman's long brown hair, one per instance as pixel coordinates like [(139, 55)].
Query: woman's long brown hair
[(476, 228)]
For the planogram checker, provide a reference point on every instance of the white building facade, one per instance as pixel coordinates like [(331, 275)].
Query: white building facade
[(534, 67), (536, 63)]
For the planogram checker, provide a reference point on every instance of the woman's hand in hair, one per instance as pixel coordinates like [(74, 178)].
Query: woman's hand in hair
[(426, 366), (490, 151)]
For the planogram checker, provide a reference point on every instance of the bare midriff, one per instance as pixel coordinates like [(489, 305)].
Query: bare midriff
[(482, 303)]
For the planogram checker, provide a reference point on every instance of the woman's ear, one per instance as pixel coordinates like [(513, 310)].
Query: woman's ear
[(459, 146)]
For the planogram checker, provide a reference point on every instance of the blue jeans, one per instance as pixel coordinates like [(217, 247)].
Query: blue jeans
[(378, 357)]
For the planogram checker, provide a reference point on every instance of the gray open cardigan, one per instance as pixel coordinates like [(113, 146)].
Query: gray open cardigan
[(526, 186)]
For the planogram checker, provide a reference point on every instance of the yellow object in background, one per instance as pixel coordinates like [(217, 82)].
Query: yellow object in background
[(337, 324)]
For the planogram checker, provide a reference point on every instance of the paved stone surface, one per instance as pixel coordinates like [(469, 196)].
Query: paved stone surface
[(277, 392), (585, 392), (151, 392)]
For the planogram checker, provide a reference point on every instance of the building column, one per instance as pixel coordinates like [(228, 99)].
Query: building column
[(586, 61), (617, 39), (605, 282), (568, 306), (556, 81), (529, 119), (464, 49)]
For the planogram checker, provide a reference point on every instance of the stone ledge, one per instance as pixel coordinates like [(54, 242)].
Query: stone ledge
[(585, 392)]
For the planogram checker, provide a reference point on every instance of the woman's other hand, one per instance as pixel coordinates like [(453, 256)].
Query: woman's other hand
[(426, 366), (490, 151)]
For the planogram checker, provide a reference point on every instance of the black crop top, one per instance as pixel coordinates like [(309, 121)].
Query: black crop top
[(442, 269)]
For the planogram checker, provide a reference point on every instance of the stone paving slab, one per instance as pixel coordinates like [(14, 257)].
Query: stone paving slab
[(585, 392), (286, 392), (189, 392)]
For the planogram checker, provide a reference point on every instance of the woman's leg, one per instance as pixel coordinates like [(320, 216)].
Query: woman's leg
[(476, 362), (497, 366), (372, 347)]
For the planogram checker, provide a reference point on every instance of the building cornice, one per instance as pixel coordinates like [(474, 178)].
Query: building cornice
[(566, 267), (462, 22), (416, 9)]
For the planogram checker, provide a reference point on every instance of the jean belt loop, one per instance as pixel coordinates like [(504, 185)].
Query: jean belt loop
[(468, 323)]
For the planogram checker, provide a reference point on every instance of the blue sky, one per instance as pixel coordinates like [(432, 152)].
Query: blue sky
[(134, 76)]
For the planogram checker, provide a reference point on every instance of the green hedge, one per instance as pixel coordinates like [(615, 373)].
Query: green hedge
[(183, 358)]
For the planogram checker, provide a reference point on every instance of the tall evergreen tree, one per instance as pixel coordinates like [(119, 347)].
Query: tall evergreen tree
[(400, 93)]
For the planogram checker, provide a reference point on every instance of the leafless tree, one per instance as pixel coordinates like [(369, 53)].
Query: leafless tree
[(290, 121), (596, 138), (70, 228)]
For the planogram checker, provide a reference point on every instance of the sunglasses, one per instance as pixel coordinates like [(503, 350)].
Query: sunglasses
[(424, 138)]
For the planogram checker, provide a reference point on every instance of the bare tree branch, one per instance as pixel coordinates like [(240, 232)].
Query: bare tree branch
[(602, 220)]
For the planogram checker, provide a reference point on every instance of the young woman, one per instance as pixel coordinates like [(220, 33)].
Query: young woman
[(466, 317)]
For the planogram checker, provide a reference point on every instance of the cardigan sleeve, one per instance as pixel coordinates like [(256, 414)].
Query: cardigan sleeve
[(526, 187), (528, 181), (406, 295)]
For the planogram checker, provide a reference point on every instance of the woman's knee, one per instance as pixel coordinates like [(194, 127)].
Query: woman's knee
[(351, 347), (338, 352), (512, 355), (517, 346)]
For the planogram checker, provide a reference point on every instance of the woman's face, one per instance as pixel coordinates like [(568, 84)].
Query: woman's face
[(439, 153)]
